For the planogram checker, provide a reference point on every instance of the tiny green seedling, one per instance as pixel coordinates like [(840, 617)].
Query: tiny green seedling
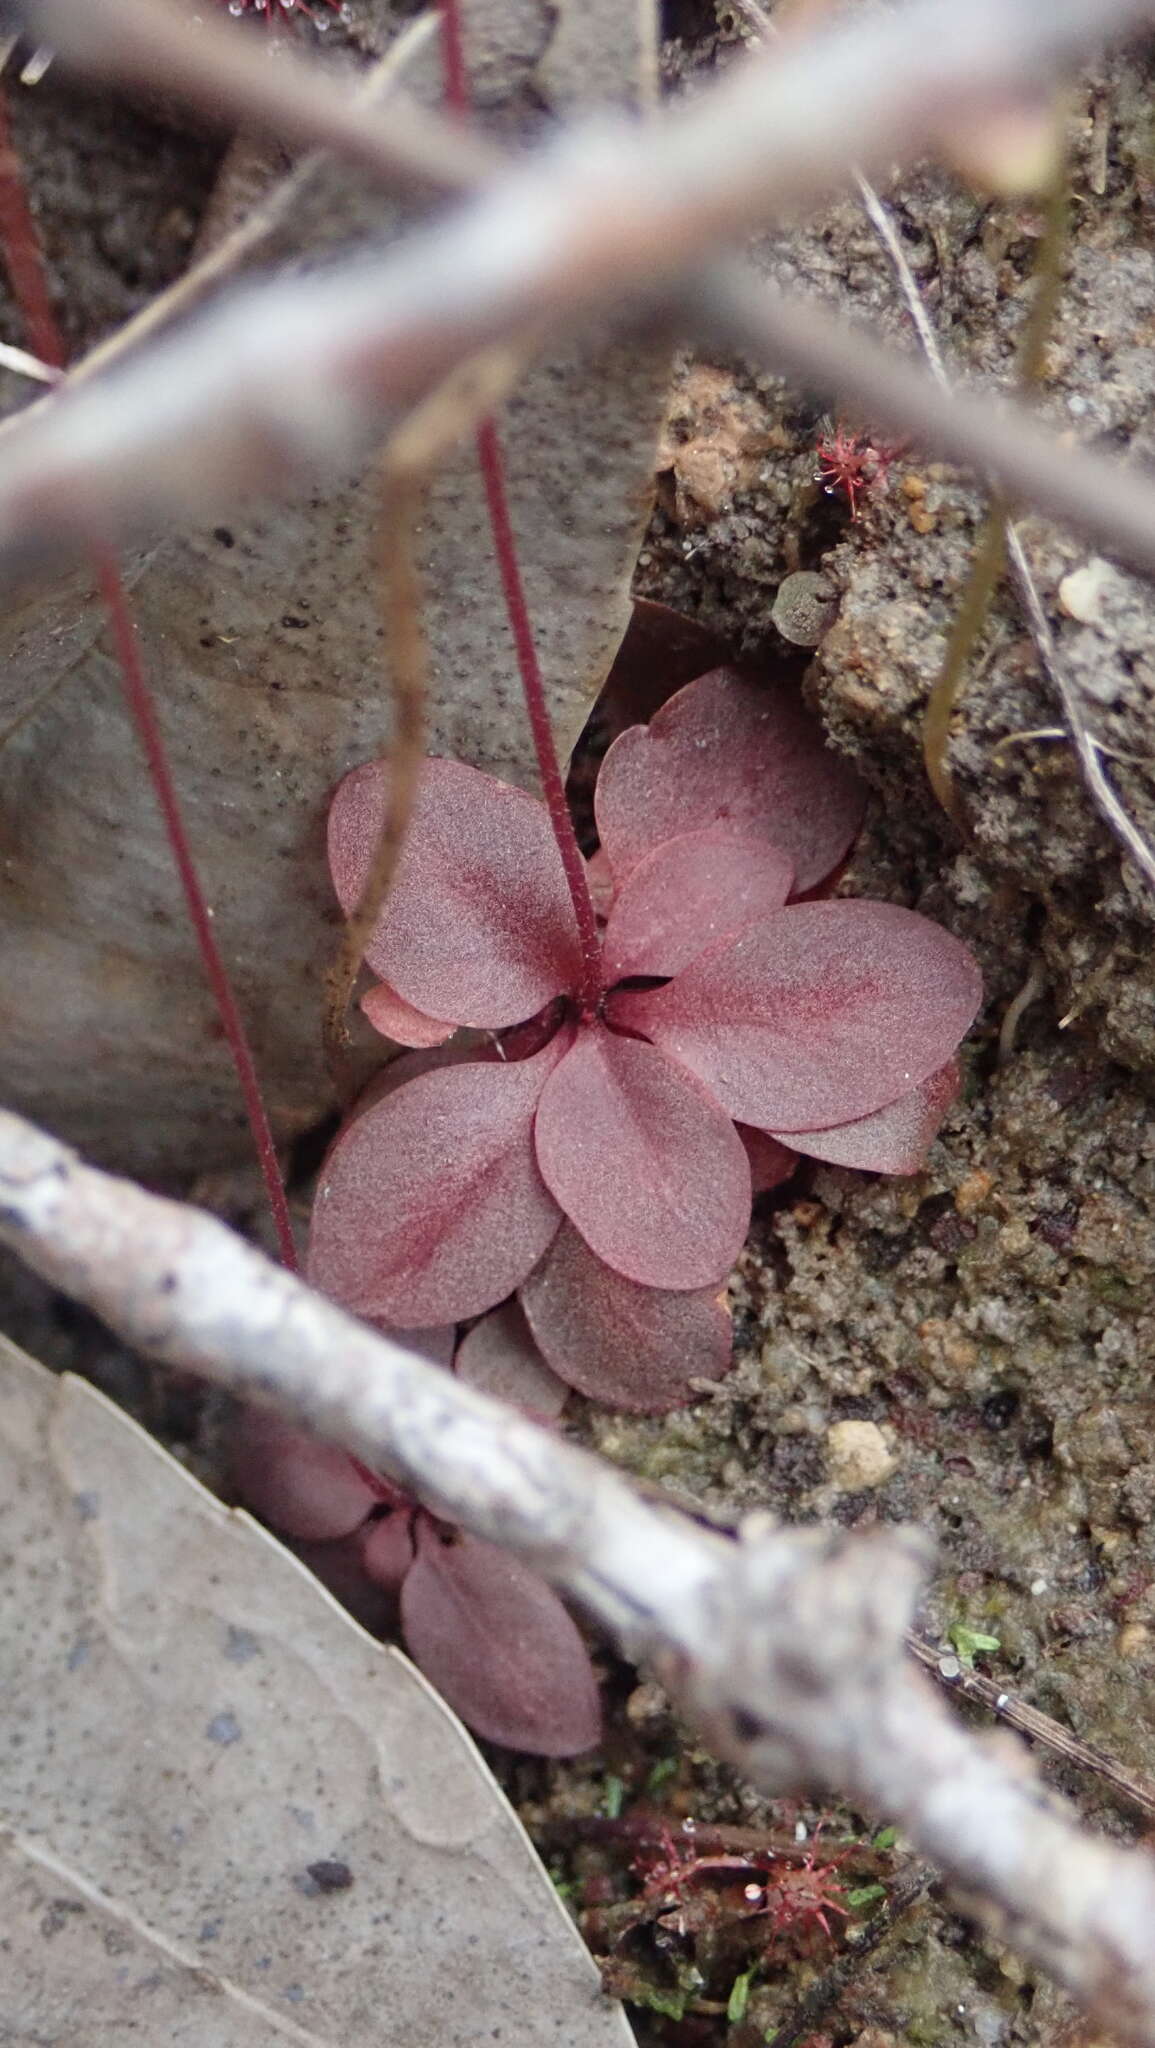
[(970, 1643)]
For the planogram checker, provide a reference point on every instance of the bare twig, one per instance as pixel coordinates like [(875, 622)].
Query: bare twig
[(260, 234), (232, 79), (787, 1648), (603, 214), (774, 130), (980, 430), (198, 420)]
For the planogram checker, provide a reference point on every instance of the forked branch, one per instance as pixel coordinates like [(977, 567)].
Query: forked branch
[(786, 1647), (609, 216)]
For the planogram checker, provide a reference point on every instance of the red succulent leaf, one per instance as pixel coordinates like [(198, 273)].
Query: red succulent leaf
[(895, 1139), (500, 1357), (478, 925), (293, 1481), (431, 1206), (688, 894), (406, 1066), (629, 1346), (818, 1015), (387, 1548), (436, 1344), (393, 1017), (771, 1162), (644, 1161), (497, 1642), (340, 1568), (726, 749)]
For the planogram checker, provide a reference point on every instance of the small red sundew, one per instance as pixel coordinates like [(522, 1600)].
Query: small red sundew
[(794, 1898), (852, 464)]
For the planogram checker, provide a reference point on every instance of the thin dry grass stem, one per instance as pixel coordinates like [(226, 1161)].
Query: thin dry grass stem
[(1135, 1791), (1088, 749), (24, 365), (1002, 535), (233, 78), (412, 456), (998, 537), (27, 270), (787, 1647), (407, 664), (1033, 987), (983, 579)]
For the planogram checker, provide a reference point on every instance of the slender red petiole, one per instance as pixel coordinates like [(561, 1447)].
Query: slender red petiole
[(492, 465), (28, 275)]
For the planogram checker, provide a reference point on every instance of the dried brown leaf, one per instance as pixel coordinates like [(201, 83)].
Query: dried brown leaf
[(228, 1815)]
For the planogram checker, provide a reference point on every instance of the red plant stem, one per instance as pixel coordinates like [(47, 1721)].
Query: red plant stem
[(492, 464), (28, 275), (453, 71), (591, 987), (143, 710)]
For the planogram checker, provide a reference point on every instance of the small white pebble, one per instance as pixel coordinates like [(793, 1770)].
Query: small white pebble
[(858, 1456), (1038, 1586), (1081, 593)]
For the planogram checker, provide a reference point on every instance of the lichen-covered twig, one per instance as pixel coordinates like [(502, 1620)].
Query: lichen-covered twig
[(786, 1646)]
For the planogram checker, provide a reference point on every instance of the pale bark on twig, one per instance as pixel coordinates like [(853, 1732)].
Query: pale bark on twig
[(977, 429), (786, 1647), (611, 215)]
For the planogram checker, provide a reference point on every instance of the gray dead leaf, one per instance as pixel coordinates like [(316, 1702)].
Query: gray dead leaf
[(263, 641), (227, 1816)]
